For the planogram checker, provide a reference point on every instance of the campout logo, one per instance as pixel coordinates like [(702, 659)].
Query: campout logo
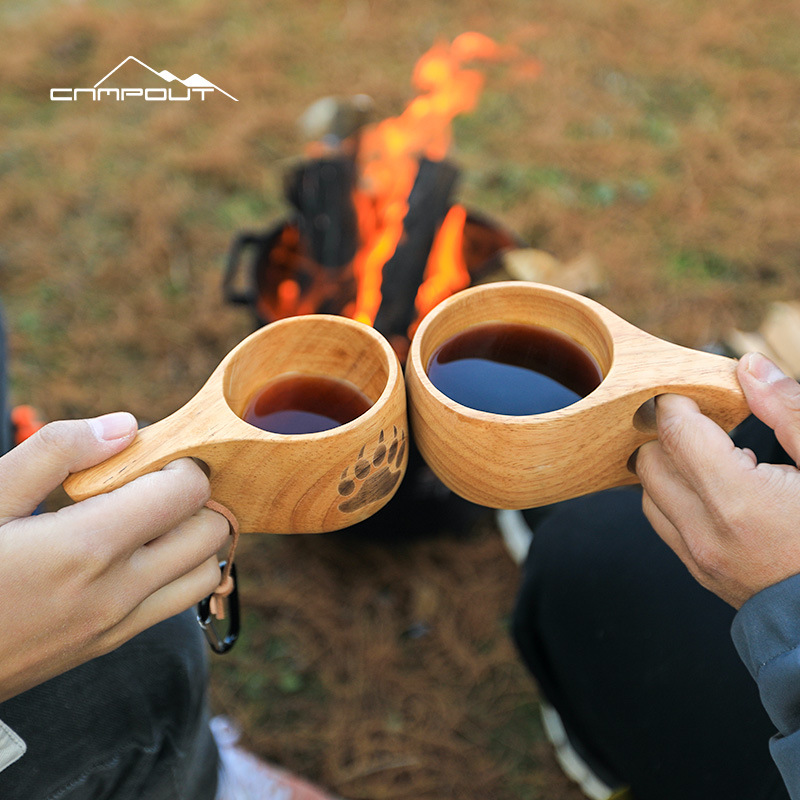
[(194, 86)]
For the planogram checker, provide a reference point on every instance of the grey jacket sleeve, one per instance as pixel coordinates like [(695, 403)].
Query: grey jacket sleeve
[(766, 632)]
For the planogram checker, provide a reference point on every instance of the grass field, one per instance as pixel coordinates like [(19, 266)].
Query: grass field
[(663, 138)]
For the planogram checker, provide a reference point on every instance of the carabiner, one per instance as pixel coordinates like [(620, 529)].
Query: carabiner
[(206, 619)]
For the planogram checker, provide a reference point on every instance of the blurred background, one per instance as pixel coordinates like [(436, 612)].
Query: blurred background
[(660, 141)]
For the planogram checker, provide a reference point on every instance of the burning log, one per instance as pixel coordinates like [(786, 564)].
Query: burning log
[(321, 191), (402, 275)]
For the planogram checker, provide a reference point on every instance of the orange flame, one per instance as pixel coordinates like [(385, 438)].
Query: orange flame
[(445, 272), (389, 154)]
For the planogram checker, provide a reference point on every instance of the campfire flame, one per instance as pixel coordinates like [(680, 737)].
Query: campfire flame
[(446, 271), (389, 158), (386, 190)]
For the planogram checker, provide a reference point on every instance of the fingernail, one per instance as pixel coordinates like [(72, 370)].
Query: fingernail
[(110, 427), (762, 369)]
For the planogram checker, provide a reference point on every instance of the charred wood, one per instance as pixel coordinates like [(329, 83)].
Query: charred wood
[(428, 204), (321, 190)]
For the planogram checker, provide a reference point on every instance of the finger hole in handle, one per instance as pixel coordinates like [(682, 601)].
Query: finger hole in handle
[(644, 419)]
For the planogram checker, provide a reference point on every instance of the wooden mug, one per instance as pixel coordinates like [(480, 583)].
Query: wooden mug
[(277, 483), (505, 461)]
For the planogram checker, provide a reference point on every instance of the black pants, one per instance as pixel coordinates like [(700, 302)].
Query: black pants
[(637, 657), (130, 725)]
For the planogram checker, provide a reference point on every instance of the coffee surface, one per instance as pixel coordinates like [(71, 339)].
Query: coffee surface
[(293, 404), (509, 368)]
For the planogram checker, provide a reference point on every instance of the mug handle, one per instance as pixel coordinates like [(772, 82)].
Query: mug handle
[(154, 447)]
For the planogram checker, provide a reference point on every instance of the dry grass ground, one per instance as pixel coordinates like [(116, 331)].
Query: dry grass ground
[(661, 137)]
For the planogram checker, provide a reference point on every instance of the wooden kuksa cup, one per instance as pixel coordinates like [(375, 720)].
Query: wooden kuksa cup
[(505, 461), (276, 483)]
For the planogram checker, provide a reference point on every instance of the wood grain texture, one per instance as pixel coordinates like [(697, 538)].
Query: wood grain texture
[(505, 461), (276, 483)]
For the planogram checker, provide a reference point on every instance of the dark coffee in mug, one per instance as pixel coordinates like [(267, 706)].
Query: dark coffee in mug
[(510, 368), (296, 403)]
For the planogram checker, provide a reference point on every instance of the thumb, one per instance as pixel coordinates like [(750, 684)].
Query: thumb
[(774, 398), (30, 471)]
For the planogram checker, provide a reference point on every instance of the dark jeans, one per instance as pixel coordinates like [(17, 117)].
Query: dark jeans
[(637, 657), (130, 725)]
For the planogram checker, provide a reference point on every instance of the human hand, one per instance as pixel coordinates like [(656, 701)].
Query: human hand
[(79, 582), (733, 522)]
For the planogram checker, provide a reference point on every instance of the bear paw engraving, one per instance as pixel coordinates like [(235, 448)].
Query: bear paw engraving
[(373, 476)]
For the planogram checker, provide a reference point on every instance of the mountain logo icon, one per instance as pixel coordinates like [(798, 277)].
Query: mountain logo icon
[(195, 85)]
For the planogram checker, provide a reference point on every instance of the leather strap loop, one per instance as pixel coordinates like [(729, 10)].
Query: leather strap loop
[(217, 600)]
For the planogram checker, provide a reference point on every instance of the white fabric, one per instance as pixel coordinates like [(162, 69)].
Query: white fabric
[(12, 747), (516, 533), (575, 768), (242, 776)]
